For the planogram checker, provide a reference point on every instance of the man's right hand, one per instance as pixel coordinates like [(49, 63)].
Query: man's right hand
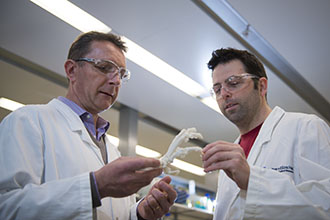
[(123, 176), (230, 157)]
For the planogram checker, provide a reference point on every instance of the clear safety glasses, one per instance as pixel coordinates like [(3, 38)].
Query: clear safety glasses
[(108, 67), (231, 84)]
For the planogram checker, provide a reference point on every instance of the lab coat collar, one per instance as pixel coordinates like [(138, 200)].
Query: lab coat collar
[(266, 132), (264, 136), (75, 124), (73, 120)]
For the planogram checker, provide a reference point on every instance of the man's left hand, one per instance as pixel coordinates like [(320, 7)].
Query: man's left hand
[(158, 201)]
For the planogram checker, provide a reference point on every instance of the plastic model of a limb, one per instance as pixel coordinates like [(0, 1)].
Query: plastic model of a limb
[(175, 151)]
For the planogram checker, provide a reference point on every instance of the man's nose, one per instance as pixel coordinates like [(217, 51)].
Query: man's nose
[(114, 78), (225, 93)]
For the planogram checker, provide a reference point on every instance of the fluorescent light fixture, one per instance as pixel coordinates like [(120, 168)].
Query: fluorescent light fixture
[(158, 67), (85, 22), (146, 152), (212, 103), (188, 167), (72, 15), (9, 104), (142, 151)]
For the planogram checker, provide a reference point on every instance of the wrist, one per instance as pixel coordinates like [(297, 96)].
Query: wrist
[(99, 184)]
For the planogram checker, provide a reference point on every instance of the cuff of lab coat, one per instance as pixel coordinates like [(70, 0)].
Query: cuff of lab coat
[(96, 198), (253, 191)]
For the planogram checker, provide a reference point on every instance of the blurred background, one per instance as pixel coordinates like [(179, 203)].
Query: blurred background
[(169, 43)]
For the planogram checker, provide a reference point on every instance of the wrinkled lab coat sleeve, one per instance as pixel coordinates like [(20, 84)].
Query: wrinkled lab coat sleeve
[(23, 193), (45, 160)]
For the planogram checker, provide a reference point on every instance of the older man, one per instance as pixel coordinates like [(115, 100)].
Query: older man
[(56, 160)]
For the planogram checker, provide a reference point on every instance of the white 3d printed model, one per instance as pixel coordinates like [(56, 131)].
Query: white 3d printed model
[(175, 151)]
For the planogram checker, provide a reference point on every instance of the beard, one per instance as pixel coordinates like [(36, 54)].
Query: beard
[(236, 115), (244, 111)]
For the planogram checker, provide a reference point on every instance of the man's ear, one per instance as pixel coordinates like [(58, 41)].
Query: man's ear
[(70, 67), (263, 86)]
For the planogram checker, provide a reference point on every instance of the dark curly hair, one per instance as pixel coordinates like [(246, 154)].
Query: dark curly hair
[(250, 62)]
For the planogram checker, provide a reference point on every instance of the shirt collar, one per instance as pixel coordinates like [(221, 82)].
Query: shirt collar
[(76, 108), (101, 125)]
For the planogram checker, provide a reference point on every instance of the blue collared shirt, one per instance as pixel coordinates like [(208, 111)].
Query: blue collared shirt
[(101, 125)]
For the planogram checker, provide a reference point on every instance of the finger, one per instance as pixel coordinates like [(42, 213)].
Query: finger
[(219, 142), (138, 163), (144, 207), (219, 157), (219, 146), (227, 161), (211, 151), (207, 147), (211, 145), (132, 164), (153, 204), (149, 173), (221, 165), (215, 157), (161, 199), (168, 191), (166, 179)]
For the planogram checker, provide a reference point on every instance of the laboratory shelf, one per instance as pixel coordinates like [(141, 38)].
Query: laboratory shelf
[(183, 212)]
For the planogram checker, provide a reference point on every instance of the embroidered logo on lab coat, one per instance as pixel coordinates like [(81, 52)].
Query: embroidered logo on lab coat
[(282, 169)]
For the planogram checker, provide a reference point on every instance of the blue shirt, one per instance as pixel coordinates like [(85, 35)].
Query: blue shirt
[(101, 125)]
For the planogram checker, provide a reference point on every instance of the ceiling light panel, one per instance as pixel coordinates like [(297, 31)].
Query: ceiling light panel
[(158, 67), (85, 22), (72, 15), (9, 104), (188, 167)]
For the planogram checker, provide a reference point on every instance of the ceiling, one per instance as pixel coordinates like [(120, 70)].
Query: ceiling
[(181, 34)]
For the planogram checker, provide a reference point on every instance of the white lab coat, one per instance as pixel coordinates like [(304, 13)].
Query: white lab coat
[(289, 172), (45, 160)]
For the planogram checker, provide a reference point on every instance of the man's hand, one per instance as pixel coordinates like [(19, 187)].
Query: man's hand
[(228, 157), (123, 176), (158, 201)]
